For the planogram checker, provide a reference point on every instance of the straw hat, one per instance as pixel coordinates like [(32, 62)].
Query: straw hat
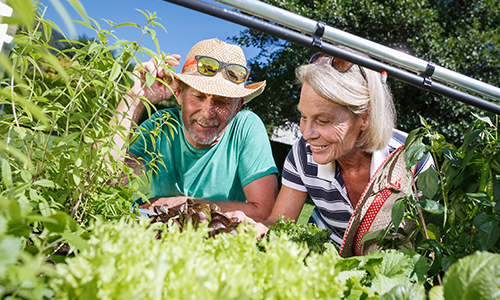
[(219, 84), (373, 211)]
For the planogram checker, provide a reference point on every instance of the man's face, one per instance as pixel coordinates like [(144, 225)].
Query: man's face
[(205, 117)]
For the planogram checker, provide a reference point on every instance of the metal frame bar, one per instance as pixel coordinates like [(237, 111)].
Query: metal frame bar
[(309, 42), (303, 24)]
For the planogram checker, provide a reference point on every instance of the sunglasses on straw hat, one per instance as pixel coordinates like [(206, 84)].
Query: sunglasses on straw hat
[(336, 63), (210, 66)]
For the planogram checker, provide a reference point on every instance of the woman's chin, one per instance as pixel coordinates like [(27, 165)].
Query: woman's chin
[(321, 159)]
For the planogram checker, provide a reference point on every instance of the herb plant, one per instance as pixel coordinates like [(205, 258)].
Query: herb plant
[(458, 211)]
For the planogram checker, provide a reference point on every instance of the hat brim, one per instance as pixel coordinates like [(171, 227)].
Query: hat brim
[(218, 85), (373, 210)]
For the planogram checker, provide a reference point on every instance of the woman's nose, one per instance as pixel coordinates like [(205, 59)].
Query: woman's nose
[(308, 130)]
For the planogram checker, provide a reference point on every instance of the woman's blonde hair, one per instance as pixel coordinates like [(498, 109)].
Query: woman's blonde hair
[(357, 95)]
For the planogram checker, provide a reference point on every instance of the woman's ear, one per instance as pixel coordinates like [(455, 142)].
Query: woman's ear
[(365, 121)]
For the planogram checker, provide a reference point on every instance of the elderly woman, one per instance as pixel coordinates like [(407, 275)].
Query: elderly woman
[(347, 125)]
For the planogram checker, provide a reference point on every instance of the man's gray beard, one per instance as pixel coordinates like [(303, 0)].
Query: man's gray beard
[(207, 141)]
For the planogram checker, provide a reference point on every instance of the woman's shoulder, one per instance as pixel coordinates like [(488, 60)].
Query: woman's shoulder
[(398, 139)]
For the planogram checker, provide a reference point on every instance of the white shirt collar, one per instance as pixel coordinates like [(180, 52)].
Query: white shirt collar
[(327, 172)]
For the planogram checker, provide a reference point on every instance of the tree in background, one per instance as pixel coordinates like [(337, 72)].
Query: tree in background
[(461, 35)]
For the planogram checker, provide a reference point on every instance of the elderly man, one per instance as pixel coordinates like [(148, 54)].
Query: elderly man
[(209, 150)]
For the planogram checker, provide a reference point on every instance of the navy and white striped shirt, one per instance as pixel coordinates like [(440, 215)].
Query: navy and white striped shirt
[(325, 185)]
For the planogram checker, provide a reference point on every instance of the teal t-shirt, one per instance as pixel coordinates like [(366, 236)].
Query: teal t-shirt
[(219, 172)]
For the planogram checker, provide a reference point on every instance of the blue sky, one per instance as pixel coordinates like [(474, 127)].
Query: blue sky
[(184, 26)]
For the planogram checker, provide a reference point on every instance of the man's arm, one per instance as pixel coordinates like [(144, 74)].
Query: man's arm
[(289, 204), (260, 193), (131, 107)]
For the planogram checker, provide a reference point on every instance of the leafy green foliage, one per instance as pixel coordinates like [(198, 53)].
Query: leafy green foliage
[(66, 233), (126, 261), (23, 275), (459, 35), (387, 273), (56, 131), (56, 110), (476, 276), (458, 211), (314, 237)]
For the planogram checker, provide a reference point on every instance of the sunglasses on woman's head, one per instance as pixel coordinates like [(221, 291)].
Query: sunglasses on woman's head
[(336, 63), (210, 66)]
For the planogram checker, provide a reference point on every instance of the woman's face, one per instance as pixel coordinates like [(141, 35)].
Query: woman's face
[(328, 128)]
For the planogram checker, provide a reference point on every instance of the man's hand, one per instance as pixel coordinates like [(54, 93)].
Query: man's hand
[(262, 228), (158, 91), (170, 201)]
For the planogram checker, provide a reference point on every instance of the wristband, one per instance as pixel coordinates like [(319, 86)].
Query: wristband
[(138, 201)]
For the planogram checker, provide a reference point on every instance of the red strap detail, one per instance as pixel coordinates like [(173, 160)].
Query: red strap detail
[(371, 214)]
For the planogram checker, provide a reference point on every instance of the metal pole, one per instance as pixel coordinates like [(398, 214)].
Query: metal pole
[(373, 49), (306, 41)]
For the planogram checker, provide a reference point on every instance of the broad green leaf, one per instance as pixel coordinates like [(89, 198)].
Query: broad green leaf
[(44, 209), (405, 292), (414, 154), (371, 235), (75, 241), (69, 138), (470, 138), (21, 131), (24, 9), (447, 262), (428, 182), (413, 138), (29, 106), (433, 231), (476, 276), (76, 178), (488, 240), (431, 206), (398, 212), (44, 182), (468, 156), (40, 218), (497, 206), (149, 79), (486, 222), (452, 157), (152, 32), (115, 71), (18, 227), (59, 226), (10, 247), (485, 119), (127, 24), (436, 293), (6, 173), (47, 30), (95, 47), (79, 8)]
